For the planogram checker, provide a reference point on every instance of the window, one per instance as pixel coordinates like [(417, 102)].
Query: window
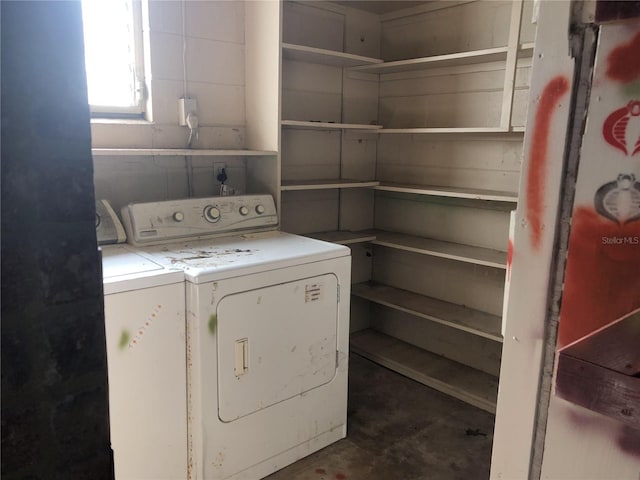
[(113, 56)]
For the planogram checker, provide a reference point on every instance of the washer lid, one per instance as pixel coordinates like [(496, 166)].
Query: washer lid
[(216, 259), (125, 269)]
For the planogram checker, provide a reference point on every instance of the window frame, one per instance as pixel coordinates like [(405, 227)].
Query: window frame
[(140, 92)]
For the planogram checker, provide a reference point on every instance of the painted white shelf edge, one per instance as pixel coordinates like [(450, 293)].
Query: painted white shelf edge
[(438, 248), (454, 379), (441, 130), (452, 315), (302, 53), (290, 185), (328, 125), (437, 61), (178, 152), (470, 193), (470, 57), (342, 237)]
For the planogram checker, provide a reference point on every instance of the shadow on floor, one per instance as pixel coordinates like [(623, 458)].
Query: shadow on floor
[(399, 429)]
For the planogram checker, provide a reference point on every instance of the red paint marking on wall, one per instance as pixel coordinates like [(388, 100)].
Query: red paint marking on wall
[(538, 161), (623, 63), (509, 258), (621, 129), (602, 281), (340, 476)]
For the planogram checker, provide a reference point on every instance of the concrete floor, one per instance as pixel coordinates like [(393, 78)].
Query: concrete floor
[(399, 429)]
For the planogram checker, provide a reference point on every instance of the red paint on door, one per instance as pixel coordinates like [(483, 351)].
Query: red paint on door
[(538, 161), (617, 131), (602, 281), (623, 63)]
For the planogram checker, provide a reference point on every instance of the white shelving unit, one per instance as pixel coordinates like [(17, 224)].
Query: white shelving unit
[(322, 189), (302, 53), (343, 238), (438, 61), (471, 193), (448, 130), (455, 316), (438, 248), (326, 184), (453, 378), (328, 125), (442, 275)]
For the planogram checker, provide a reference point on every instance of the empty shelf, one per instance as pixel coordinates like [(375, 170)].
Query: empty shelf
[(460, 381), (438, 248), (441, 130), (178, 152), (302, 53), (289, 185), (438, 61), (342, 237), (472, 193), (446, 313), (328, 125)]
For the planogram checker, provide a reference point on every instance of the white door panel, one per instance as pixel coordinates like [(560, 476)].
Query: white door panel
[(275, 343)]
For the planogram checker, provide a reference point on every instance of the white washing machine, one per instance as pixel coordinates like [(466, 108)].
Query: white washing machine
[(267, 318), (146, 353)]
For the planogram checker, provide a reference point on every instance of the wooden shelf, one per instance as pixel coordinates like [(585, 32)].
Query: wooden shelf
[(526, 49), (437, 248), (325, 184), (438, 61), (178, 152), (328, 125), (342, 237), (471, 193), (303, 53), (464, 383), (445, 130), (450, 314)]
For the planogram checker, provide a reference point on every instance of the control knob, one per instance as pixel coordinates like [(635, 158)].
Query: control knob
[(260, 209), (244, 211), (178, 216), (211, 214)]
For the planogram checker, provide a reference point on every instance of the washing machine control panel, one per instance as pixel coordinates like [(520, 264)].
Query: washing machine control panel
[(161, 222)]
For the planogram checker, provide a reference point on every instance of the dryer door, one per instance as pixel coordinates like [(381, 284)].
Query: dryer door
[(275, 343)]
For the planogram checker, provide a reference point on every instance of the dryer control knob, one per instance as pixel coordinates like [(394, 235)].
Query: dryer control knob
[(211, 214), (259, 209), (178, 216), (244, 211)]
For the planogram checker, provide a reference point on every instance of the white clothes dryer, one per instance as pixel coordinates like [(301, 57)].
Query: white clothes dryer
[(267, 320)]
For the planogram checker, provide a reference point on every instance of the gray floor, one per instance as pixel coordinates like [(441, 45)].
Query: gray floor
[(399, 429)]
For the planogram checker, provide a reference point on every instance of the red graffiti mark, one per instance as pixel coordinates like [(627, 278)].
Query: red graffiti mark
[(602, 281), (340, 476), (623, 63), (622, 128), (538, 160), (509, 258), (321, 471)]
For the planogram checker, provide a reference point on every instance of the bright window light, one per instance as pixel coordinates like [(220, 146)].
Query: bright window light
[(113, 55)]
